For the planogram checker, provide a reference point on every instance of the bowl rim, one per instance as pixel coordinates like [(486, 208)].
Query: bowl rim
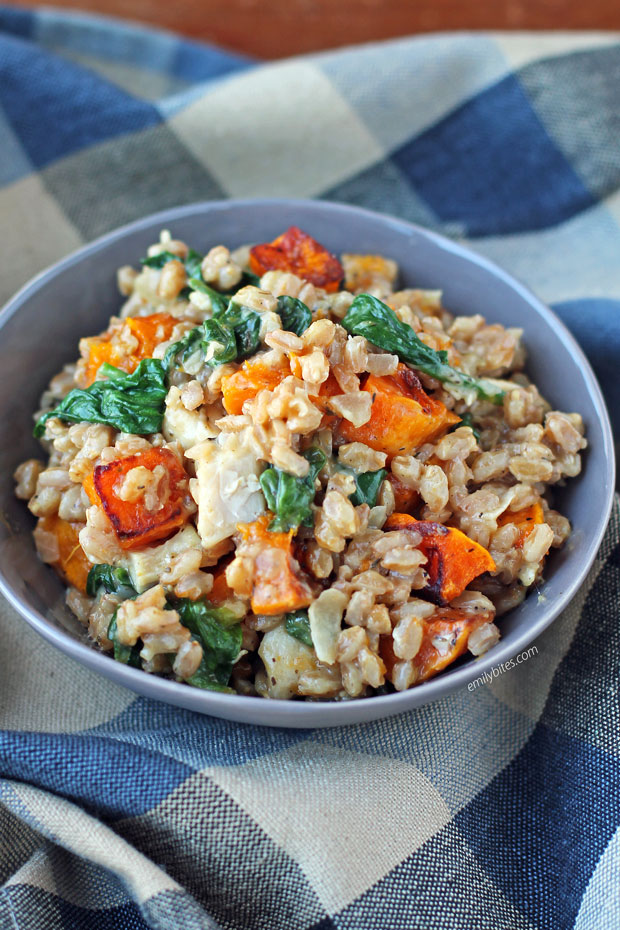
[(303, 713)]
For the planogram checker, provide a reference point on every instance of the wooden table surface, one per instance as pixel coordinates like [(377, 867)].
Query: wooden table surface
[(277, 28)]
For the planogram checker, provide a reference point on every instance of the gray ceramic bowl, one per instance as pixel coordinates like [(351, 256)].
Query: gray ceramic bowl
[(40, 331)]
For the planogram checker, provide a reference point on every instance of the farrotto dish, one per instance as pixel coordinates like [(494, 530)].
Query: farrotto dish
[(276, 474)]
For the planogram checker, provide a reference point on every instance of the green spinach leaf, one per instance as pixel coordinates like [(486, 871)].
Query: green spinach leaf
[(192, 612), (245, 324), (192, 264), (297, 625), (290, 498), (219, 341), (219, 302), (296, 317), (131, 403), (192, 261), (233, 334), (367, 487), (179, 352), (369, 317), (158, 261), (112, 578), (219, 633)]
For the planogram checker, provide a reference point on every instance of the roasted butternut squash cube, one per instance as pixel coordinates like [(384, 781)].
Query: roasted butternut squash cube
[(144, 496), (72, 563), (245, 383), (403, 416), (299, 253), (147, 331), (444, 639), (453, 559), (278, 585), (525, 520)]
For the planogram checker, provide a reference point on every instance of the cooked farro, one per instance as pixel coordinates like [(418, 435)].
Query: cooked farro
[(319, 488)]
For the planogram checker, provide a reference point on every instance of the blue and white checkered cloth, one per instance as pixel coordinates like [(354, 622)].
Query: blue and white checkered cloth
[(492, 810)]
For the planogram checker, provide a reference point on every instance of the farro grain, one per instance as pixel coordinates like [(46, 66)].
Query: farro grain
[(537, 542), (220, 269), (172, 280), (407, 637), (45, 502), (482, 639), (79, 604), (125, 279), (73, 504), (26, 476), (361, 458), (381, 365), (319, 334), (255, 298), (187, 659), (404, 675), (355, 407)]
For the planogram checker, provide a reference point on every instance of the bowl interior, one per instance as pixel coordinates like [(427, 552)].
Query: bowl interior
[(40, 329)]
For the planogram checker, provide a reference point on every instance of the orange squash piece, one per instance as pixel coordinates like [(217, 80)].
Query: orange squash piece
[(299, 253), (449, 629), (149, 331), (245, 383), (134, 525), (88, 483), (364, 272), (525, 520), (72, 563), (403, 415), (279, 585), (453, 559)]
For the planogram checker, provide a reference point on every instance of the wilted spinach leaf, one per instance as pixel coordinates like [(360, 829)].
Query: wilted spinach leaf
[(112, 578), (192, 264), (297, 625), (367, 487), (231, 334), (179, 352), (369, 317), (192, 261), (219, 633), (245, 324), (158, 261), (290, 498), (192, 612), (219, 302), (219, 341), (131, 403), (296, 317)]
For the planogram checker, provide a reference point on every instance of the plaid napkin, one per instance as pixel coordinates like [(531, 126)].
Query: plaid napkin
[(493, 809)]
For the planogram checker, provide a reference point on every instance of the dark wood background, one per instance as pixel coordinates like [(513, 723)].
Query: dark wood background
[(277, 28)]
